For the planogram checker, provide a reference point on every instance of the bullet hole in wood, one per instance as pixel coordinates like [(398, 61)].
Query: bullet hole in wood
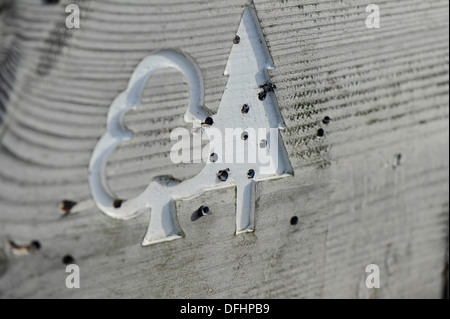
[(262, 96), (68, 260), (223, 175), (66, 207), (209, 121), (237, 39), (244, 136), (214, 157), (326, 120), (321, 133), (294, 220), (201, 212), (204, 210), (268, 87), (118, 203), (245, 109), (35, 245)]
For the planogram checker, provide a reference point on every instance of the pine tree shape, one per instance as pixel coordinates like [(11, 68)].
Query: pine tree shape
[(248, 108), (249, 102)]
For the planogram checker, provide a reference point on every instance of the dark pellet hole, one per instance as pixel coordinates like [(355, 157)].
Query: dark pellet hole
[(245, 109), (35, 245), (251, 174), (204, 210), (50, 1), (262, 96), (209, 121), (237, 39), (223, 175), (118, 203), (294, 220), (201, 212), (67, 205), (244, 136), (321, 133), (213, 157), (326, 120), (68, 260)]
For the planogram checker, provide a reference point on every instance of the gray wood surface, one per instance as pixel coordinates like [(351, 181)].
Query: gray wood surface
[(358, 201)]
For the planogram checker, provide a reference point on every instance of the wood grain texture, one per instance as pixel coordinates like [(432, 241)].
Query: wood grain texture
[(358, 201)]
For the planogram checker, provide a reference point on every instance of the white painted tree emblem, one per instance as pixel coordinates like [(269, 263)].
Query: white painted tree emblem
[(248, 106)]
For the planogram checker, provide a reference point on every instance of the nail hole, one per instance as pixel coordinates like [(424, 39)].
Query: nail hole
[(251, 174), (35, 245), (326, 120), (268, 87), (223, 175), (68, 260), (237, 39), (201, 212), (214, 157), (209, 121), (66, 206), (204, 210), (118, 203), (262, 95), (245, 109), (321, 133), (244, 136), (294, 220)]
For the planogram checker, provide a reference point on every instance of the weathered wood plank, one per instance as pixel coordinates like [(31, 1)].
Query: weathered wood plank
[(358, 202)]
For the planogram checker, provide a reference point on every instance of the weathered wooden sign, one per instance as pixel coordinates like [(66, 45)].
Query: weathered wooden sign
[(354, 93)]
